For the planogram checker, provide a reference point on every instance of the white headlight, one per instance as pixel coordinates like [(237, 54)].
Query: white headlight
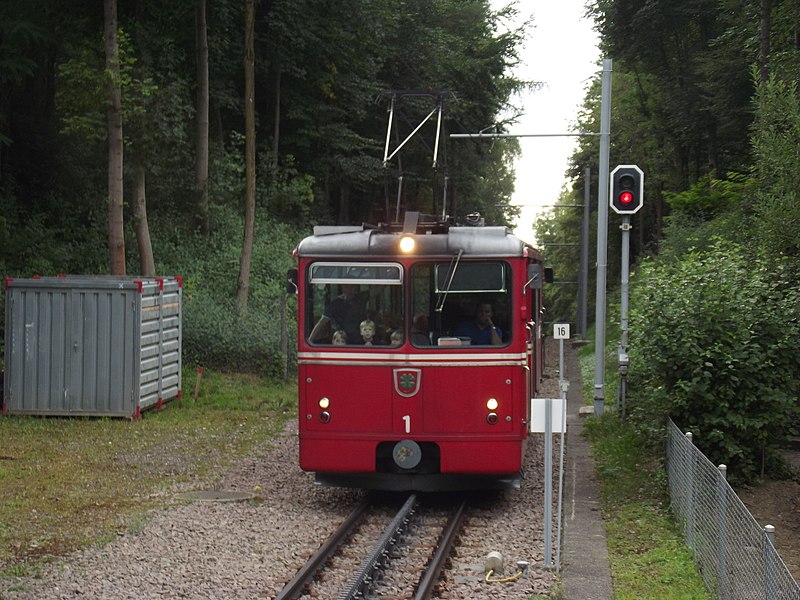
[(407, 244)]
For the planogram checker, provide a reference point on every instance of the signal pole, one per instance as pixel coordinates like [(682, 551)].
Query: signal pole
[(583, 277), (602, 241), (627, 197)]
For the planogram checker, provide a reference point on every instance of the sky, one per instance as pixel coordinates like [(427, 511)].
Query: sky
[(561, 52)]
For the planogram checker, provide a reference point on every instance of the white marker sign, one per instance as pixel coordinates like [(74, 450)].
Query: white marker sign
[(561, 331)]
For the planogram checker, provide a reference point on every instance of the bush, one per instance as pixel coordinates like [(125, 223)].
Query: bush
[(713, 344), (214, 334)]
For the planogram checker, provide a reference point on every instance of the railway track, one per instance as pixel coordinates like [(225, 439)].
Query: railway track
[(378, 552)]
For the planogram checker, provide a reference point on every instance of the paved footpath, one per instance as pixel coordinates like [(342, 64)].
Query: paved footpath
[(584, 556)]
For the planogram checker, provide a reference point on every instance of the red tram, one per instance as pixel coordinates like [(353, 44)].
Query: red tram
[(419, 348)]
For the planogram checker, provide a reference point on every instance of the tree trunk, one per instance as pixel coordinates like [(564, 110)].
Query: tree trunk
[(116, 238), (140, 126), (250, 159), (277, 127), (283, 341), (201, 134), (146, 263)]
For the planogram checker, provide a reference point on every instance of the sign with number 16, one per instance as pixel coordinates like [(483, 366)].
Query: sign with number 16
[(561, 331)]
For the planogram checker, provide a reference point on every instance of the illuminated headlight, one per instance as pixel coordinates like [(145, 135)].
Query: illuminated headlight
[(324, 417), (324, 403), (492, 404), (491, 418), (407, 244)]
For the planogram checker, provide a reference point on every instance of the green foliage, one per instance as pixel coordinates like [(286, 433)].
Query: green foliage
[(708, 197), (19, 33), (713, 345), (646, 554), (777, 166), (288, 194), (214, 334), (31, 245)]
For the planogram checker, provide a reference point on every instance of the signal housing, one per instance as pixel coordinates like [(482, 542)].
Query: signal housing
[(627, 189)]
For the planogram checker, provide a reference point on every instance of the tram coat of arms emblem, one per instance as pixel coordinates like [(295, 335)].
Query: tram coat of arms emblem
[(407, 382)]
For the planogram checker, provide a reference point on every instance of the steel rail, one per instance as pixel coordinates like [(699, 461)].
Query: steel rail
[(359, 585), (435, 567), (294, 589)]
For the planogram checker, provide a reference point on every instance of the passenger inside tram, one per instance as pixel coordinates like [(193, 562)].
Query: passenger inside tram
[(339, 338), (481, 330), (367, 329)]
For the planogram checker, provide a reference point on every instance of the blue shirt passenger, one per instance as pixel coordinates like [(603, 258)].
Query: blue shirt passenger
[(482, 331)]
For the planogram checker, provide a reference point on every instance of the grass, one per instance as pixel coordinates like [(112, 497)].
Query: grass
[(647, 556), (47, 464), (646, 553)]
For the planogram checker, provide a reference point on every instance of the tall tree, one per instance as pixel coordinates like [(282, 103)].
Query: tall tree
[(201, 132), (116, 238), (243, 290), (146, 261), (140, 156)]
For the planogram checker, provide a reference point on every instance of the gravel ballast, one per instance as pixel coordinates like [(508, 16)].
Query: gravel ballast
[(251, 548)]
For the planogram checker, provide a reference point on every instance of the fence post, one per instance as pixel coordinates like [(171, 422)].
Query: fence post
[(722, 550), (690, 495), (769, 562)]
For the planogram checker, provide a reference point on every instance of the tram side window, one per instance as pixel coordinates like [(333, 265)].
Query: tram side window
[(351, 304), (464, 304)]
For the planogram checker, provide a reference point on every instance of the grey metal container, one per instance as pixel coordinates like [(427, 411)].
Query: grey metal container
[(100, 346)]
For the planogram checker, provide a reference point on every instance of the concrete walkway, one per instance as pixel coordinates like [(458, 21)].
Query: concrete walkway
[(584, 556)]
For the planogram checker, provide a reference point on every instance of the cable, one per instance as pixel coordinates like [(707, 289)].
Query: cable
[(503, 580)]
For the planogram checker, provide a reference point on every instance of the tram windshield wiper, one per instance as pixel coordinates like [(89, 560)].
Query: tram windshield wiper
[(451, 273)]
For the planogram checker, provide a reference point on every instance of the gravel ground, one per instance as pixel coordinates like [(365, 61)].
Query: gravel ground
[(251, 549)]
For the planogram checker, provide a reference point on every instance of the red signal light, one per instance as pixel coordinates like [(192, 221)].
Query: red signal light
[(627, 189)]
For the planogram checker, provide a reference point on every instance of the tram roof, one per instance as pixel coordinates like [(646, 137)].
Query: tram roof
[(364, 240)]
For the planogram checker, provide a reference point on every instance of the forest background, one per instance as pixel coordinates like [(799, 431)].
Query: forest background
[(182, 138), (705, 102), (206, 139)]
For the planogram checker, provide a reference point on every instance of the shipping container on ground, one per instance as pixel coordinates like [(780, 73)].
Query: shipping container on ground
[(81, 345)]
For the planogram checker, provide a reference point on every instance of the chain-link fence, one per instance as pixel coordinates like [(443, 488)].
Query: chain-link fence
[(734, 554)]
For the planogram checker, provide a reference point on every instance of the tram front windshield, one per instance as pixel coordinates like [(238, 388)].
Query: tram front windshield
[(351, 304), (451, 304), (460, 304)]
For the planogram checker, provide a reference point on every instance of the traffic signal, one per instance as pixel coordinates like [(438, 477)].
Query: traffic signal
[(627, 189)]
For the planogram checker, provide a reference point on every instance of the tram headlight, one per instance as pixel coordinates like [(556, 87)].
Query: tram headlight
[(492, 404), (324, 417), (491, 418), (324, 403), (407, 244)]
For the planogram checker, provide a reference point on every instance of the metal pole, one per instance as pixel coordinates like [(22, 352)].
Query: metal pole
[(389, 131), (583, 277), (722, 532), (563, 395), (548, 482), (626, 244), (622, 351), (690, 494), (464, 136), (602, 241), (769, 563)]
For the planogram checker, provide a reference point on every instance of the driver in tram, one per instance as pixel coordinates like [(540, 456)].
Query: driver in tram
[(481, 330)]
